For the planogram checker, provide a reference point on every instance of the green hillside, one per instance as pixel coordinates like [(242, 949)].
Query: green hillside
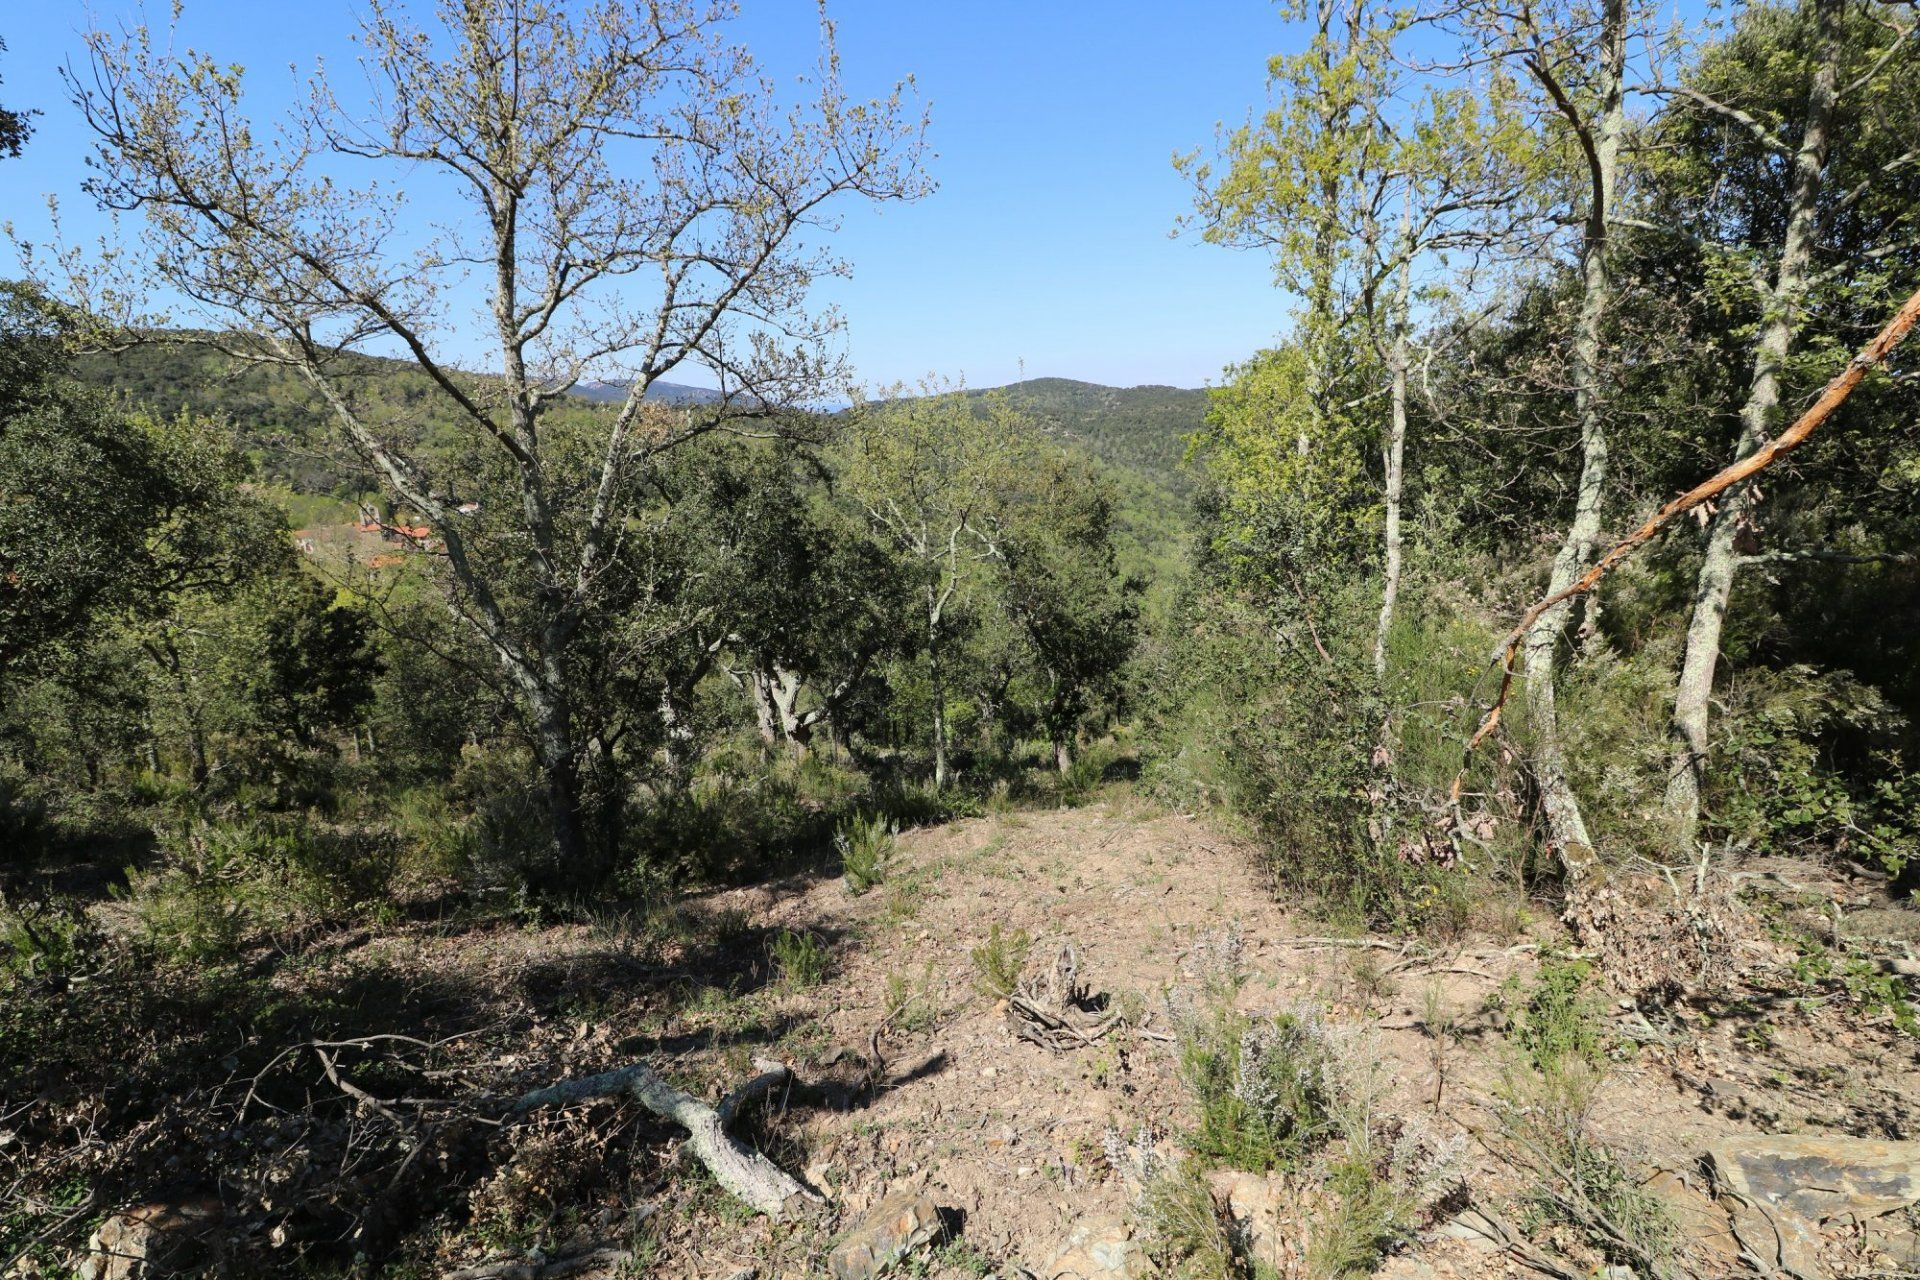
[(1142, 429), (1136, 434)]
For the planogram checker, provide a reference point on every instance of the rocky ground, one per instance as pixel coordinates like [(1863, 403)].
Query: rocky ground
[(1776, 1116)]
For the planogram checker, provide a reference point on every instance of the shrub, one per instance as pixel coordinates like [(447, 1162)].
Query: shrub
[(1187, 1234), (998, 961), (1575, 1180), (1559, 1022), (799, 958), (1259, 1086), (866, 846)]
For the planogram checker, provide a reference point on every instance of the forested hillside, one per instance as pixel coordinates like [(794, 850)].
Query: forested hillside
[(1143, 429), (1443, 801)]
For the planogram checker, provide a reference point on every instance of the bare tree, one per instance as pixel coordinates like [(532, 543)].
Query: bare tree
[(624, 191)]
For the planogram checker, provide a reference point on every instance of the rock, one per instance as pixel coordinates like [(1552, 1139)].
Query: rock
[(151, 1241), (1781, 1189), (1705, 1231), (1785, 1242), (898, 1225), (1821, 1177), (1099, 1249)]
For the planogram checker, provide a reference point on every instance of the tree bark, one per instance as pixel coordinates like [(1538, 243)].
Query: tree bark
[(560, 770), (1693, 691), (1601, 133), (936, 676), (1394, 454), (754, 1179)]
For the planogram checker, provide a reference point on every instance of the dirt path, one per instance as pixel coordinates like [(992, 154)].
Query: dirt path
[(1012, 1135), (1010, 1138)]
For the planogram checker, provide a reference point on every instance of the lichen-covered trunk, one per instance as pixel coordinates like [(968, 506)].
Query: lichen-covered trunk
[(1713, 588), (1566, 826), (1393, 454)]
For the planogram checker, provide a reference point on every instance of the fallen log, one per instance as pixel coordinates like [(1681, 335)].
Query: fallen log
[(758, 1182)]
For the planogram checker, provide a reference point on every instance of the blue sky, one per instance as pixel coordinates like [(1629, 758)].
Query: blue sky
[(1054, 121)]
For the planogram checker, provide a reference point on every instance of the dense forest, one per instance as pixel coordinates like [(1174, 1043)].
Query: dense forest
[(643, 804)]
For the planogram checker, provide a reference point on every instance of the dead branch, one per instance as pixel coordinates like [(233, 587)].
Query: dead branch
[(1059, 1012), (1779, 447), (750, 1176)]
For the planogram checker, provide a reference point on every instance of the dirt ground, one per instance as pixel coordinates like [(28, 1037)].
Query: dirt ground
[(910, 1076)]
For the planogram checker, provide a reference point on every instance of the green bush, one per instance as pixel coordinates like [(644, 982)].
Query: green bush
[(1260, 1087), (866, 847), (1558, 1021), (799, 959), (998, 962)]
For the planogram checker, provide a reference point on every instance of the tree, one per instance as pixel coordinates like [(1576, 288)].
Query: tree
[(1354, 191), (108, 514), (1061, 586), (932, 473), (1850, 67), (1575, 58), (15, 126), (580, 149)]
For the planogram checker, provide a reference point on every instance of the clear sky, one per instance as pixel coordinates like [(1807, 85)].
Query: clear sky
[(1047, 245)]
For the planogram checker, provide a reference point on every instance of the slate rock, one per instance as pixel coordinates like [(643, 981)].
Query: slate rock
[(1818, 1176), (898, 1225)]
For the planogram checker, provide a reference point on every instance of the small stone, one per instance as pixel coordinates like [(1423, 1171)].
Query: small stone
[(898, 1225)]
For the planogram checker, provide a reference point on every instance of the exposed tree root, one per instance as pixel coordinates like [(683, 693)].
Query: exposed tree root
[(754, 1179)]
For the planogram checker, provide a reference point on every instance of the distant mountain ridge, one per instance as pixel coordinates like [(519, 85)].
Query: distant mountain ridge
[(1140, 429), (667, 392)]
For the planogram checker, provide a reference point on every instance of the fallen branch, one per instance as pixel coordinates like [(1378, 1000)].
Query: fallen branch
[(754, 1179), (1779, 447)]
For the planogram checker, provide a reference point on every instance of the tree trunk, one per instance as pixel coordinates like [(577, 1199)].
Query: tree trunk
[(676, 738), (936, 677), (560, 769), (1394, 454), (1566, 827), (1063, 755), (1693, 691), (744, 1172)]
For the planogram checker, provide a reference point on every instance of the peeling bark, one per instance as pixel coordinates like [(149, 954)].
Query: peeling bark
[(1600, 136)]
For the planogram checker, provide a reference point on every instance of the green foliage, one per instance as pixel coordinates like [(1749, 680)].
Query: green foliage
[(999, 961), (866, 846), (1558, 1020), (1187, 1233), (800, 959), (1871, 989), (1259, 1087), (1793, 780), (912, 1003)]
